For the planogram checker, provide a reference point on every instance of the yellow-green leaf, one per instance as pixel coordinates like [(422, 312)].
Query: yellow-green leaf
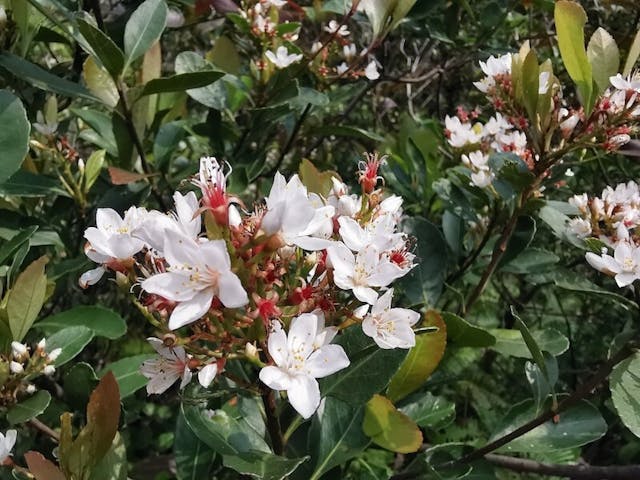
[(316, 181), (530, 84), (26, 298), (100, 83), (390, 428), (570, 20), (634, 53), (422, 359), (604, 57)]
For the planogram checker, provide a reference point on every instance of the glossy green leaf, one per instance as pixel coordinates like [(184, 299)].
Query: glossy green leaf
[(531, 343), (14, 134), (570, 20), (625, 392), (421, 360), (127, 373), (71, 340), (542, 384), (100, 83), (521, 239), (531, 84), (424, 283), (510, 342), (575, 427), (429, 411), (93, 168), (26, 298), (370, 371), (102, 126), (40, 78), (182, 82), (531, 260), (213, 95), (261, 465), (107, 52), (222, 432), (27, 184), (463, 334), (335, 436), (113, 465), (29, 408), (15, 242), (194, 458), (144, 28), (78, 383), (166, 141), (632, 57), (389, 428), (101, 321), (347, 131), (604, 57)]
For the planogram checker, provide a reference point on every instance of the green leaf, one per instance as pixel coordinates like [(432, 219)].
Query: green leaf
[(429, 411), (113, 465), (634, 53), (335, 436), (530, 84), (78, 383), (100, 83), (71, 340), (166, 141), (27, 184), (575, 427), (14, 134), (370, 371), (101, 321), (26, 298), (532, 345), (181, 82), (570, 20), (144, 28), (625, 392), (29, 408), (42, 79), (520, 239), (15, 242), (604, 57), (223, 433), (510, 342), (531, 260), (347, 131), (463, 334), (194, 458), (102, 47), (213, 95), (92, 168), (422, 359), (265, 466), (127, 373), (390, 428), (542, 384), (315, 180), (424, 283)]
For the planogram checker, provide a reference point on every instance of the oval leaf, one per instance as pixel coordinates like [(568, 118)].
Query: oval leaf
[(390, 428), (14, 134), (71, 340), (29, 408), (144, 28), (103, 322), (26, 298), (625, 392), (604, 57)]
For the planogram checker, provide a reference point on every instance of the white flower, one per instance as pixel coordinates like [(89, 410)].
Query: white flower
[(43, 126), (482, 178), (632, 82), (349, 51), (335, 27), (16, 367), (49, 370), (579, 227), (54, 354), (300, 219), (31, 389), (275, 3), (343, 67), (207, 374), (7, 442), (18, 349), (300, 357), (476, 159), (492, 68), (569, 124), (461, 134), (379, 233), (371, 72), (41, 344), (362, 272), (390, 327), (196, 273), (624, 265), (496, 125), (186, 220), (282, 58), (164, 370), (343, 203), (581, 202)]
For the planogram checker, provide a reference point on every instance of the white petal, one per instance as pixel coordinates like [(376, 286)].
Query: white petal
[(191, 310), (365, 294), (186, 377), (108, 220), (277, 345), (327, 360), (383, 303), (214, 254), (207, 374), (91, 277), (170, 285), (352, 234), (180, 250), (275, 378), (304, 395), (302, 335), (230, 291)]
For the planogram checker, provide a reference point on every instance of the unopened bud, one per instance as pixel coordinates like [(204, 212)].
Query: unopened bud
[(54, 354), (251, 351), (122, 281), (16, 367), (31, 389), (81, 165), (49, 370), (18, 349), (41, 345)]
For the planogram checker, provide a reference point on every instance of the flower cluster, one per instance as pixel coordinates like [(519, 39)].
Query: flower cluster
[(273, 286), (613, 219), (608, 126), (24, 365)]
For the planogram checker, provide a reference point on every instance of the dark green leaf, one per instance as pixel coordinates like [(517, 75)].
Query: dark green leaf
[(510, 342), (429, 411), (15, 241), (194, 458), (167, 141), (625, 392), (14, 134), (29, 408), (42, 79), (213, 95), (181, 82), (113, 465), (144, 28), (265, 466), (107, 52), (463, 334), (27, 184), (71, 340), (127, 373), (103, 322)]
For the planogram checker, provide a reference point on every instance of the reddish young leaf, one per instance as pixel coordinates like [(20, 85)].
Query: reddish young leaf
[(41, 468)]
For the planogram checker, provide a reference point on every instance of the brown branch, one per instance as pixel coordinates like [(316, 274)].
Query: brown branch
[(38, 425), (580, 393), (273, 422), (578, 472)]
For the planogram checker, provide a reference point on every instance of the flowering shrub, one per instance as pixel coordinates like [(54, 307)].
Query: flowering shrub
[(202, 275)]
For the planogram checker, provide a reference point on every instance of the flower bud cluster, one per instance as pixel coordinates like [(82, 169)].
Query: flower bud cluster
[(272, 286), (613, 219), (22, 366)]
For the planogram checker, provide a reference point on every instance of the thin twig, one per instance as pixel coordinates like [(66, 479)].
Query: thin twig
[(37, 424)]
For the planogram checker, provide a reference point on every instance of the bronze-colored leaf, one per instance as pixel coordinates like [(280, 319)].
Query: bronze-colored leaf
[(41, 468)]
